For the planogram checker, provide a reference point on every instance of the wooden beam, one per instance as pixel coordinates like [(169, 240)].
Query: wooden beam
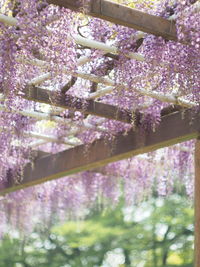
[(71, 4), (70, 102), (197, 204), (174, 128), (125, 16), (88, 106)]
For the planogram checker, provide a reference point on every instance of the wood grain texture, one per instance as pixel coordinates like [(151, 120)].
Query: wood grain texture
[(91, 107), (197, 204), (174, 128), (71, 4), (74, 103), (125, 16)]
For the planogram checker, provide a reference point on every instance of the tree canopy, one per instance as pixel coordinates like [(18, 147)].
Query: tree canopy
[(150, 235)]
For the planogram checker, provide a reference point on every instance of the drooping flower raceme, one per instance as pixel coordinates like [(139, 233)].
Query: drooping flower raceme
[(39, 45)]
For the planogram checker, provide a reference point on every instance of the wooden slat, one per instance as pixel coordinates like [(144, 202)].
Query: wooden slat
[(197, 204), (174, 128), (88, 106), (71, 4), (69, 102), (125, 16)]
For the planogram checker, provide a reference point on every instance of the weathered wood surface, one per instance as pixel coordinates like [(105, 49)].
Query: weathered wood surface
[(125, 16), (174, 128), (88, 106), (71, 4), (197, 204), (70, 102)]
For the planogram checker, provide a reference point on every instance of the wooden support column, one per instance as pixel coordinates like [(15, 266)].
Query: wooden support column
[(197, 204)]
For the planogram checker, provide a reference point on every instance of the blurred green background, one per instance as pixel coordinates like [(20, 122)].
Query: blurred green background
[(158, 232)]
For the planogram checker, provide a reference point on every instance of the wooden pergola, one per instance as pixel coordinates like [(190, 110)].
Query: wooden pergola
[(173, 128)]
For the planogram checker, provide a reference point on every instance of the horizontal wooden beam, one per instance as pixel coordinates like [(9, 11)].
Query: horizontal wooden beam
[(91, 107), (174, 128), (70, 102), (125, 16), (74, 5)]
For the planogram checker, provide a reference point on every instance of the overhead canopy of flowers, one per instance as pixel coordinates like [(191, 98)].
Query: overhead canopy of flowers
[(70, 53)]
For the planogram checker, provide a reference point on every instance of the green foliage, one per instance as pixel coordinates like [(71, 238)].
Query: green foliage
[(157, 233)]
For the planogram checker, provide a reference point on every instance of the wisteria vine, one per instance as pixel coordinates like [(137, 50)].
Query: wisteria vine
[(43, 45)]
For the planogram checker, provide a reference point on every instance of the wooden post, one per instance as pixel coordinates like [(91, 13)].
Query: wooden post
[(197, 204)]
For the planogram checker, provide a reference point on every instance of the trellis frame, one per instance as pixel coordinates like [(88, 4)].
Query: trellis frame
[(174, 128)]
